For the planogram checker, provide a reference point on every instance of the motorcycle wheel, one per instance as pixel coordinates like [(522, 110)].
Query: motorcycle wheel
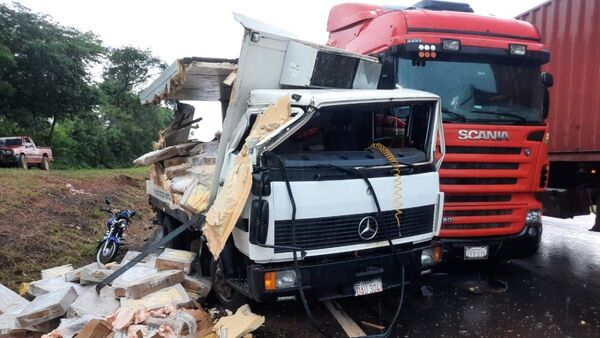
[(107, 252)]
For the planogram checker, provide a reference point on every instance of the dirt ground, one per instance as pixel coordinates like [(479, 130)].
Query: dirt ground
[(52, 218)]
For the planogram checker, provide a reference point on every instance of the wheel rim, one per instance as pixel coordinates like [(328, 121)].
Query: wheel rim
[(220, 285), (106, 252)]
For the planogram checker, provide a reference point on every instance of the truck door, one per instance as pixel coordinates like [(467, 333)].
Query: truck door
[(31, 151)]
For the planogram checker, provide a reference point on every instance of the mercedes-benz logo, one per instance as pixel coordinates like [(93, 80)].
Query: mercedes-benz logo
[(367, 228)]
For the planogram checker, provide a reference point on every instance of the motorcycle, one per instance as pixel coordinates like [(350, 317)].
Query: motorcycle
[(116, 225)]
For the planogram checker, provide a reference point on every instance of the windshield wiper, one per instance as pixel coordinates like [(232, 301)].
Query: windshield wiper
[(497, 113), (454, 114)]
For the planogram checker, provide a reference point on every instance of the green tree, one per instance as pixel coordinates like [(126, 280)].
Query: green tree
[(131, 127), (44, 75)]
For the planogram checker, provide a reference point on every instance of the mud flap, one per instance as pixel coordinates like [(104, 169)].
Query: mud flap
[(195, 222)]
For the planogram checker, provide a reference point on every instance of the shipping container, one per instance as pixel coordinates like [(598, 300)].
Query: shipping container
[(571, 30)]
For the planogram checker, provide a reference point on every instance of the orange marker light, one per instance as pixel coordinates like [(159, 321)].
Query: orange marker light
[(427, 54), (437, 254), (270, 281), (433, 54), (421, 54)]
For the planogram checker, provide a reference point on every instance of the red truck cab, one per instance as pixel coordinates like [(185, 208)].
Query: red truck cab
[(487, 72), (21, 151)]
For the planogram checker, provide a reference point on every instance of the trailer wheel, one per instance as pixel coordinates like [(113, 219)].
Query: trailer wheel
[(23, 162), (229, 297)]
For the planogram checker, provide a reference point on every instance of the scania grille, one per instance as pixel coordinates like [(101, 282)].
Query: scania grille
[(479, 165), (476, 226), (476, 198), (328, 232), (455, 213), (478, 180), (483, 150)]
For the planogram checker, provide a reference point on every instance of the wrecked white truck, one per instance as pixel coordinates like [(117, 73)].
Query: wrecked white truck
[(328, 185)]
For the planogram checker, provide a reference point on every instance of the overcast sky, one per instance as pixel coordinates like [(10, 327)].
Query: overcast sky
[(174, 29)]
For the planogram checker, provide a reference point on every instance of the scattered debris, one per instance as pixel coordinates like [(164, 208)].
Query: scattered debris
[(239, 324), (92, 303), (47, 307), (154, 283), (175, 259), (74, 191), (56, 271), (10, 301), (147, 301), (175, 295)]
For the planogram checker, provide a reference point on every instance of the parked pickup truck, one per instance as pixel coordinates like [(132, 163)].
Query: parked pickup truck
[(22, 152)]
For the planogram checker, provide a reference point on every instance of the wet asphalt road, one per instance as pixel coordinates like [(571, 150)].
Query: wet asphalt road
[(555, 293)]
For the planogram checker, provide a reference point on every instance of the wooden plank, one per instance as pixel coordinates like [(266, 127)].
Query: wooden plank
[(348, 324)]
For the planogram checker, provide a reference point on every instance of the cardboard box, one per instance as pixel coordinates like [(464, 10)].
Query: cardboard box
[(173, 295), (56, 271), (172, 259), (198, 285), (93, 276), (95, 328), (47, 307), (42, 287), (130, 276), (146, 286), (10, 301), (75, 275)]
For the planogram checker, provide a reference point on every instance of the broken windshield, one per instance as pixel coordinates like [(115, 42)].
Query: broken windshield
[(343, 135), (478, 92)]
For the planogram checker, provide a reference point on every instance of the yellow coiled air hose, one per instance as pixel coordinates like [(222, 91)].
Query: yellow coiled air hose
[(385, 151)]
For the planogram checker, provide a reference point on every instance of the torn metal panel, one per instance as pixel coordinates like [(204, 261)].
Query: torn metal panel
[(192, 78), (231, 199)]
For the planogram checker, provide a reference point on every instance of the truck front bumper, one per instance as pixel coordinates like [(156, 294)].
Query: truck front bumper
[(8, 159), (332, 278), (499, 247)]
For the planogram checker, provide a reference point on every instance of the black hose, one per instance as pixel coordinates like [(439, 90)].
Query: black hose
[(360, 174)]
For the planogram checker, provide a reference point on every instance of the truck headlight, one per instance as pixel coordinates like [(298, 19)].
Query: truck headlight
[(431, 256), (533, 216), (283, 279)]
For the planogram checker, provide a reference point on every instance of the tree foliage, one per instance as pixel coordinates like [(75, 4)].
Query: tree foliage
[(47, 91), (44, 68)]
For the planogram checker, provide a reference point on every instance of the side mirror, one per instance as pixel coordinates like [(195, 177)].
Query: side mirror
[(107, 201), (547, 79), (546, 103)]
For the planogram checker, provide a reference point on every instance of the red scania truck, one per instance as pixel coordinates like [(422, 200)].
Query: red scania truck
[(487, 71)]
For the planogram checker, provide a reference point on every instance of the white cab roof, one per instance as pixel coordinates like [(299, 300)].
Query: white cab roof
[(324, 97)]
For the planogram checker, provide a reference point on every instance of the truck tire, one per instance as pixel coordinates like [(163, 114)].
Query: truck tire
[(23, 162), (45, 165), (229, 297), (169, 224)]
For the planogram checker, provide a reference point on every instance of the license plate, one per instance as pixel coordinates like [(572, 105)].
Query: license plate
[(476, 252), (368, 287)]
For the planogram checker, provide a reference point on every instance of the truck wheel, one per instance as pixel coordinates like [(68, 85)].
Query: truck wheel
[(23, 162), (229, 297), (45, 163), (169, 224)]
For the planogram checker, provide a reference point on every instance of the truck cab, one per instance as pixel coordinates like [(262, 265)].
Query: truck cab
[(343, 197), (494, 98), (322, 153)]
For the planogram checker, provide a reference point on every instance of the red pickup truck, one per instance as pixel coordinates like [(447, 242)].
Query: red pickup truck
[(21, 151)]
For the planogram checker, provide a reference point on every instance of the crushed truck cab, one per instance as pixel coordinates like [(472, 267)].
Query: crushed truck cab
[(318, 181)]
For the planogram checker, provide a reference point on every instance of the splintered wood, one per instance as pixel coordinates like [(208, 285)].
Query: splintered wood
[(231, 199)]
